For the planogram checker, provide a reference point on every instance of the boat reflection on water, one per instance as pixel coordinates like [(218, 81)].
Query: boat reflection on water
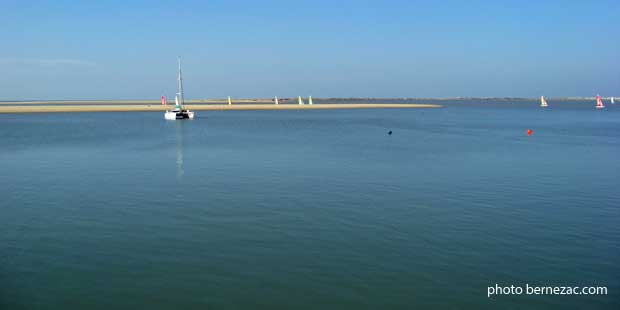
[(179, 149)]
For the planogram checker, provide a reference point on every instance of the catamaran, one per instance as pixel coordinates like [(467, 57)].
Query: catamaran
[(179, 100), (599, 102), (543, 102)]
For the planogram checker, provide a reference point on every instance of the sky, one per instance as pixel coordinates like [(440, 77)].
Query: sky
[(71, 50)]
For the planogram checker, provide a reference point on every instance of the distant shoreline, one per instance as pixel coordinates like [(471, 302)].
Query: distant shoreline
[(134, 102), (284, 100), (212, 107)]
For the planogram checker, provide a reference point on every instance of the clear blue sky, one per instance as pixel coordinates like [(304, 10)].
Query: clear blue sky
[(127, 49)]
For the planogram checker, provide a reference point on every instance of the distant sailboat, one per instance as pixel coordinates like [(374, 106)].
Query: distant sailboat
[(599, 102), (179, 112), (229, 101), (299, 100), (543, 102), (276, 100), (612, 100), (309, 99)]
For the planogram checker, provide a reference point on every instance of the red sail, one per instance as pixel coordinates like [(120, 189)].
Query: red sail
[(599, 102)]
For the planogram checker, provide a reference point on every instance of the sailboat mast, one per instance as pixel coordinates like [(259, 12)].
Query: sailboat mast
[(181, 99)]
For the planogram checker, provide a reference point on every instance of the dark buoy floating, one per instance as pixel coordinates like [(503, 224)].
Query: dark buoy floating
[(389, 132)]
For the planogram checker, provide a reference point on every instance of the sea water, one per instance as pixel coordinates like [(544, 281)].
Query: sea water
[(317, 209)]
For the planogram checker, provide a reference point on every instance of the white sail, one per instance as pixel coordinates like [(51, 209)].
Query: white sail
[(276, 100), (180, 93), (309, 99), (176, 100), (543, 102), (229, 101), (612, 100), (299, 100)]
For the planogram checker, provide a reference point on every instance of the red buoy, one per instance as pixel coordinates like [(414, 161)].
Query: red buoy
[(530, 132)]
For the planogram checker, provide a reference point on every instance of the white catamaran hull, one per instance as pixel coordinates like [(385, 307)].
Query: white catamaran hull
[(174, 115)]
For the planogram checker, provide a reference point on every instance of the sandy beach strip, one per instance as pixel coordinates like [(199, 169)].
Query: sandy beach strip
[(213, 107), (133, 102)]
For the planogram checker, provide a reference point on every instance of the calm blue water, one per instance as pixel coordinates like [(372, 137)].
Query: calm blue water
[(310, 209)]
